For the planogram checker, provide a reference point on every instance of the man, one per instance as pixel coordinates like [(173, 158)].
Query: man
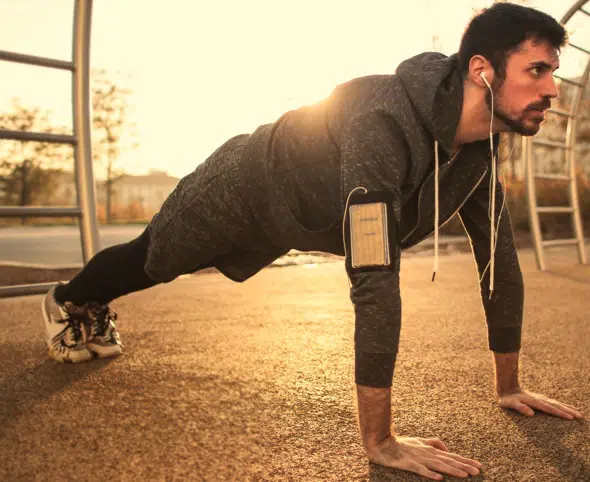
[(367, 173)]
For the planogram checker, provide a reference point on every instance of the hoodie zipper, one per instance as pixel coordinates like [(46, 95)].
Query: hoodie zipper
[(455, 212)]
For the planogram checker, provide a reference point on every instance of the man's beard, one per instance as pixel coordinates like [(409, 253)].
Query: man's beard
[(518, 124)]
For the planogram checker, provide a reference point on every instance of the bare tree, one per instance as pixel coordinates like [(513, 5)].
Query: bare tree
[(110, 127), (27, 167)]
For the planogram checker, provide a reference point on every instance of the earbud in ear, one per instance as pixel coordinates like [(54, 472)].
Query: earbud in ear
[(483, 76)]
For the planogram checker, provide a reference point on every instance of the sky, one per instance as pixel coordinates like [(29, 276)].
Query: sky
[(203, 71)]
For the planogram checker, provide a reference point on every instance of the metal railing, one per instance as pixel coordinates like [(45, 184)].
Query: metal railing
[(568, 145), (85, 211)]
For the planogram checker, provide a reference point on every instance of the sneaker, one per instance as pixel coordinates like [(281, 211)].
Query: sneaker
[(103, 338), (65, 333)]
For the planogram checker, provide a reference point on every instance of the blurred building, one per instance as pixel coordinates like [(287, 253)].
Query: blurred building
[(133, 196), (146, 192)]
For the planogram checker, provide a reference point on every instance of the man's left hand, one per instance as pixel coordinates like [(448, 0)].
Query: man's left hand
[(524, 402)]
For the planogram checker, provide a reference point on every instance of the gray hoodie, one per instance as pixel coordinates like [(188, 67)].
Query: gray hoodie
[(378, 132)]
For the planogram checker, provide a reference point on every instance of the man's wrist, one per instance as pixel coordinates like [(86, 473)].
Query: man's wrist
[(374, 410), (506, 367)]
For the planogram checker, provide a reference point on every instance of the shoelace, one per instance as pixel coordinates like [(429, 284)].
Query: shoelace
[(74, 335), (103, 316)]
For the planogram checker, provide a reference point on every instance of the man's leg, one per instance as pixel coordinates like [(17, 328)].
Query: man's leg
[(203, 219), (78, 320), (113, 272)]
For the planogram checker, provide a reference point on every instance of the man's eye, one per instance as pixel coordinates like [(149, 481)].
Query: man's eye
[(537, 71)]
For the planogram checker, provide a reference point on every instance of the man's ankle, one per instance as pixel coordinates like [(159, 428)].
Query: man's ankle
[(60, 294)]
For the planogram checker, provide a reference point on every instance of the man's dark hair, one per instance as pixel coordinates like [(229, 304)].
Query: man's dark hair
[(497, 32)]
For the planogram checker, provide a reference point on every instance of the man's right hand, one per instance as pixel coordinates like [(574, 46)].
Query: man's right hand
[(427, 457)]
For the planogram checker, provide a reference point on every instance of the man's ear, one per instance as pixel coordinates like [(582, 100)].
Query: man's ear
[(480, 68)]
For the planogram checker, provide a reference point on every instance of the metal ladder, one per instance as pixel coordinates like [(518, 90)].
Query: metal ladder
[(568, 145), (85, 211)]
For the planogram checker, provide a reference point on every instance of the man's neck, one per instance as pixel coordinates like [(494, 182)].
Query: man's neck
[(474, 123)]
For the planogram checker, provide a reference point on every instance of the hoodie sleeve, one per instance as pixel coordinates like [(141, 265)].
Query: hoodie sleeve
[(375, 160), (505, 309)]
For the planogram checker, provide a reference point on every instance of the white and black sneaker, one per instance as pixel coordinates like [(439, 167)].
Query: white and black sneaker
[(65, 331), (103, 338)]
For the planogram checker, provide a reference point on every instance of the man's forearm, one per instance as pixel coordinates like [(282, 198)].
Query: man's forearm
[(506, 372), (374, 407)]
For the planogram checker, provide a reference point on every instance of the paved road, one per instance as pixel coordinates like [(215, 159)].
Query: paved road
[(47, 245), (222, 381), (56, 245)]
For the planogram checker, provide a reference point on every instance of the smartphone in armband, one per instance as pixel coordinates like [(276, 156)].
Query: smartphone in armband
[(369, 235)]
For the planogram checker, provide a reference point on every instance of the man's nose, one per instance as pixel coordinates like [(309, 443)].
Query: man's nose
[(550, 88)]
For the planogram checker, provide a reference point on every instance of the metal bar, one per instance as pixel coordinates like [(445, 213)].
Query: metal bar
[(555, 209), (39, 211), (81, 141), (559, 242), (89, 235), (561, 112), (570, 157), (545, 142), (527, 155), (570, 142), (34, 60), (573, 9), (37, 137), (577, 47), (555, 177), (25, 290), (569, 81)]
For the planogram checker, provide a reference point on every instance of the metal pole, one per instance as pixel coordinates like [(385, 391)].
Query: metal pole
[(577, 215), (25, 290), (574, 8), (81, 110), (571, 163), (527, 155)]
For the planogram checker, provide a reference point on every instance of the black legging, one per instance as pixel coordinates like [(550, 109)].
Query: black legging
[(113, 272)]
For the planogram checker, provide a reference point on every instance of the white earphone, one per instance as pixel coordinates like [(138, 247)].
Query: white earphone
[(492, 207), (483, 76)]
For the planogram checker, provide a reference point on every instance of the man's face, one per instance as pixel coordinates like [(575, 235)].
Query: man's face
[(526, 92)]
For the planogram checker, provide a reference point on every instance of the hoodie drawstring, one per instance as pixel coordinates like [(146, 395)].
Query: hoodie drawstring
[(436, 210), (492, 207), (491, 211)]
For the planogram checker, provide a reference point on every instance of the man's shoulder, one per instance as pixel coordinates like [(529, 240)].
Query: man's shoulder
[(366, 84), (361, 96)]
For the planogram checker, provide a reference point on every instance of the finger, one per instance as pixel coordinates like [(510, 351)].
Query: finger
[(437, 443), (576, 412), (464, 460), (560, 413), (571, 406), (519, 407), (441, 466), (423, 471), (470, 469), (572, 411), (549, 408)]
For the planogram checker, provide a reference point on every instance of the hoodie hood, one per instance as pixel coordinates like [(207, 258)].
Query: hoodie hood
[(435, 89)]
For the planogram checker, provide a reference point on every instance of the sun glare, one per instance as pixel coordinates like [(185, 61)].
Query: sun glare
[(200, 75)]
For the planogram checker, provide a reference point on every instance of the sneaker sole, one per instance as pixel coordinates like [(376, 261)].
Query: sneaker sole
[(68, 359), (104, 352)]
